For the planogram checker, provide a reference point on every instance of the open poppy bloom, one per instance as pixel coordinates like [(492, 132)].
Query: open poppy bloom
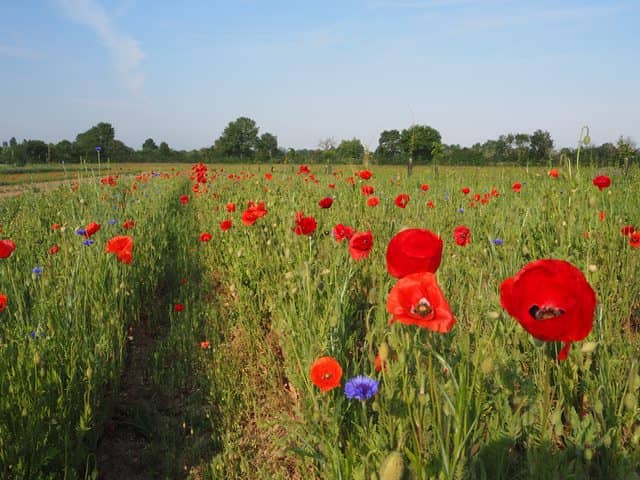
[(253, 213), (516, 187), (602, 182), (6, 248), (340, 232), (128, 224), (627, 230), (466, 190), (54, 249), (231, 207), (122, 246), (373, 201), (462, 235), (417, 300), (402, 200), (553, 173), (360, 245), (184, 199), (634, 239), (205, 237), (367, 190), (225, 225), (326, 373), (365, 174), (413, 250), (304, 225), (552, 300), (3, 302)]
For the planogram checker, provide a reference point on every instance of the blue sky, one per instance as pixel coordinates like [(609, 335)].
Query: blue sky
[(305, 70)]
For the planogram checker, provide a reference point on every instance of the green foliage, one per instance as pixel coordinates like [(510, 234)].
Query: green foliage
[(239, 139), (418, 142), (101, 135), (350, 151)]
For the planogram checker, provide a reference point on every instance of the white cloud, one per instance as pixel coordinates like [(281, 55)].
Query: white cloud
[(124, 50)]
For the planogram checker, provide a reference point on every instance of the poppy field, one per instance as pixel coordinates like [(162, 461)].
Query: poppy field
[(289, 321)]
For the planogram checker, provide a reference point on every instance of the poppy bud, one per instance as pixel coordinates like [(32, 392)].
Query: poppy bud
[(383, 351), (586, 140), (392, 467)]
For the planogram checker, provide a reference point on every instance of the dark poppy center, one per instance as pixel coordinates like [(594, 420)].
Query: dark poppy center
[(545, 313), (423, 308)]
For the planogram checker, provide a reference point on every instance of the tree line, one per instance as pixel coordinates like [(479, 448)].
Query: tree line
[(241, 142)]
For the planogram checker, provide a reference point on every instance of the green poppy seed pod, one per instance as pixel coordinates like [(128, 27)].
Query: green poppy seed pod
[(383, 351), (631, 401), (392, 467), (588, 454), (586, 140)]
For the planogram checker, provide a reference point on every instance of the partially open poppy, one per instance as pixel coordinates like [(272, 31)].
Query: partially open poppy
[(326, 202), (552, 300), (417, 300), (462, 235), (122, 246), (402, 200), (6, 248), (340, 232), (413, 250), (253, 213), (304, 225), (326, 373), (3, 302), (90, 229)]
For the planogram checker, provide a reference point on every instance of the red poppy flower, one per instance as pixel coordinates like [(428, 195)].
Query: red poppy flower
[(184, 199), (332, 185), (367, 190), (326, 373), (128, 224), (379, 364), (430, 204), (402, 200), (360, 245), (253, 213), (602, 215), (231, 207), (516, 187), (55, 226), (304, 169), (373, 201), (340, 232), (424, 187), (91, 229), (122, 246), (225, 225), (326, 202), (6, 248), (634, 239), (3, 302), (178, 307), (205, 237), (365, 174), (54, 249), (602, 182), (553, 173), (205, 345), (268, 176), (413, 250), (304, 225), (417, 300), (462, 235), (466, 190), (627, 230), (552, 300)]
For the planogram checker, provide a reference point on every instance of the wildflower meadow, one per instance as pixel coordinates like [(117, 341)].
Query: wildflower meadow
[(293, 321)]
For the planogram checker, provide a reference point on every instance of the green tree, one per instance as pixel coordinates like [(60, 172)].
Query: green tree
[(350, 151), (239, 139), (149, 146), (165, 152), (418, 142), (65, 151), (100, 135), (540, 146), (389, 147), (267, 146), (626, 151)]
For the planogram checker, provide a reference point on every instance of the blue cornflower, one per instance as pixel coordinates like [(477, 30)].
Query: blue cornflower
[(113, 221), (361, 388), (88, 242), (37, 270), (461, 210), (497, 241), (81, 231)]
